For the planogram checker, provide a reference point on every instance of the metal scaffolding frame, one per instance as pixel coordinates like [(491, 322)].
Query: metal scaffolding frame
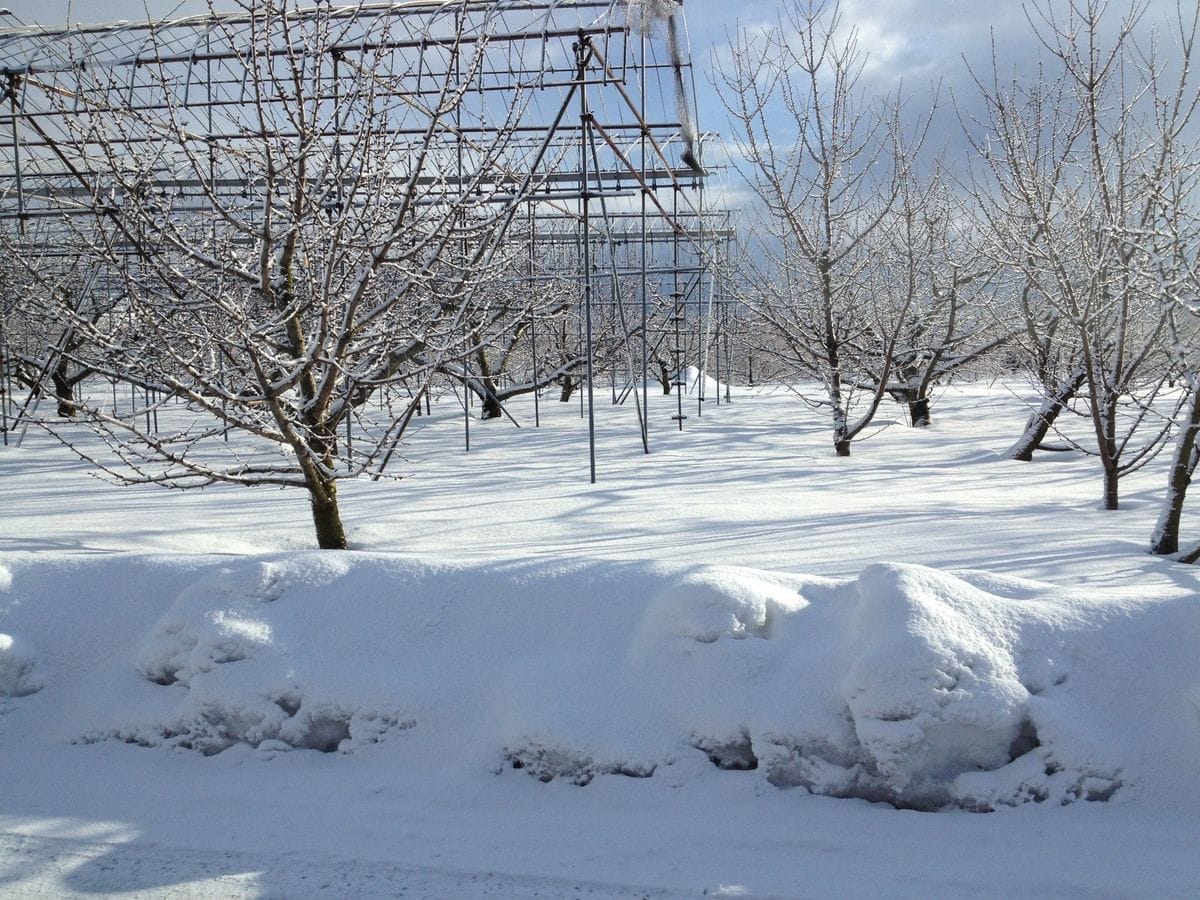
[(596, 172)]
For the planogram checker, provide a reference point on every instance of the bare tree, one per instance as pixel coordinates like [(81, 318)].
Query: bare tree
[(946, 328), (829, 170), (1165, 540), (43, 353), (1077, 185), (1172, 240), (539, 343), (285, 265)]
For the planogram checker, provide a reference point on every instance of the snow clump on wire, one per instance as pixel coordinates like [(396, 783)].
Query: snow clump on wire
[(644, 16)]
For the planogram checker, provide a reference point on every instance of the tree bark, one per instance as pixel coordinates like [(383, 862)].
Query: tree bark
[(492, 407), (918, 412), (1191, 556), (1111, 487), (326, 517), (485, 388), (1165, 539), (1040, 423), (64, 391)]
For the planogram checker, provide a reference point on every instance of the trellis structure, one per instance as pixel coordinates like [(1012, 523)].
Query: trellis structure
[(563, 133)]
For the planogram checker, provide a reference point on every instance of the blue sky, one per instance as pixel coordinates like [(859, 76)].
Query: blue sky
[(914, 41), (911, 44)]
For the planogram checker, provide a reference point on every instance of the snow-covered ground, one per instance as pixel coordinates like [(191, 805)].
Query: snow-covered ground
[(738, 666)]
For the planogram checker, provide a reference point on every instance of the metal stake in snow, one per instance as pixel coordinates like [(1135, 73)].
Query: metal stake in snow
[(643, 16)]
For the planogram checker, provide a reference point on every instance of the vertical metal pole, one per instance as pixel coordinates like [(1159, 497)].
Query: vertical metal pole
[(702, 314), (725, 324), (212, 186), (716, 285), (341, 207), (645, 288), (537, 419), (14, 82), (677, 308), (462, 245), (585, 118), (5, 375), (5, 383)]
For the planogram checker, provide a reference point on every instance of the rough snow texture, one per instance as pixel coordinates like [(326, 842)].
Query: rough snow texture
[(238, 683), (541, 687), (905, 685), (17, 663)]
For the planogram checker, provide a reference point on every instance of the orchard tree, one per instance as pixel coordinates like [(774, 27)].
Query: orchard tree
[(45, 354), (830, 171), (947, 327), (538, 345), (1171, 240), (1077, 179), (286, 263)]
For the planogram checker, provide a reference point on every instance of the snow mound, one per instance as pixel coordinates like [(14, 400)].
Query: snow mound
[(241, 684), (933, 690), (17, 662), (905, 685), (723, 602)]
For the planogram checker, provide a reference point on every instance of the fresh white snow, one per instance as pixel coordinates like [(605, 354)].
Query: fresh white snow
[(738, 666)]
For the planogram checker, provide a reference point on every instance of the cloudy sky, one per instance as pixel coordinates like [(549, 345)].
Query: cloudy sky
[(911, 38), (910, 43)]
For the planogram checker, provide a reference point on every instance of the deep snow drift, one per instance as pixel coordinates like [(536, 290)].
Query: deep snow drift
[(658, 716)]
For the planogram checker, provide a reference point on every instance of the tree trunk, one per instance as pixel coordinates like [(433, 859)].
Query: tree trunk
[(918, 411), (664, 377), (1165, 539), (1110, 454), (1040, 423), (568, 388), (1191, 556), (322, 485), (485, 388), (1111, 482), (64, 391), (489, 399), (492, 407), (326, 516)]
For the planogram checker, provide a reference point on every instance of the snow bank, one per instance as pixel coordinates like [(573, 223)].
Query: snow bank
[(933, 688), (17, 659), (917, 688), (17, 662), (270, 699), (906, 685)]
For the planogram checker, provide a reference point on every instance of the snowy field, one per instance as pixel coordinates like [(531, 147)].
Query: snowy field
[(738, 666)]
